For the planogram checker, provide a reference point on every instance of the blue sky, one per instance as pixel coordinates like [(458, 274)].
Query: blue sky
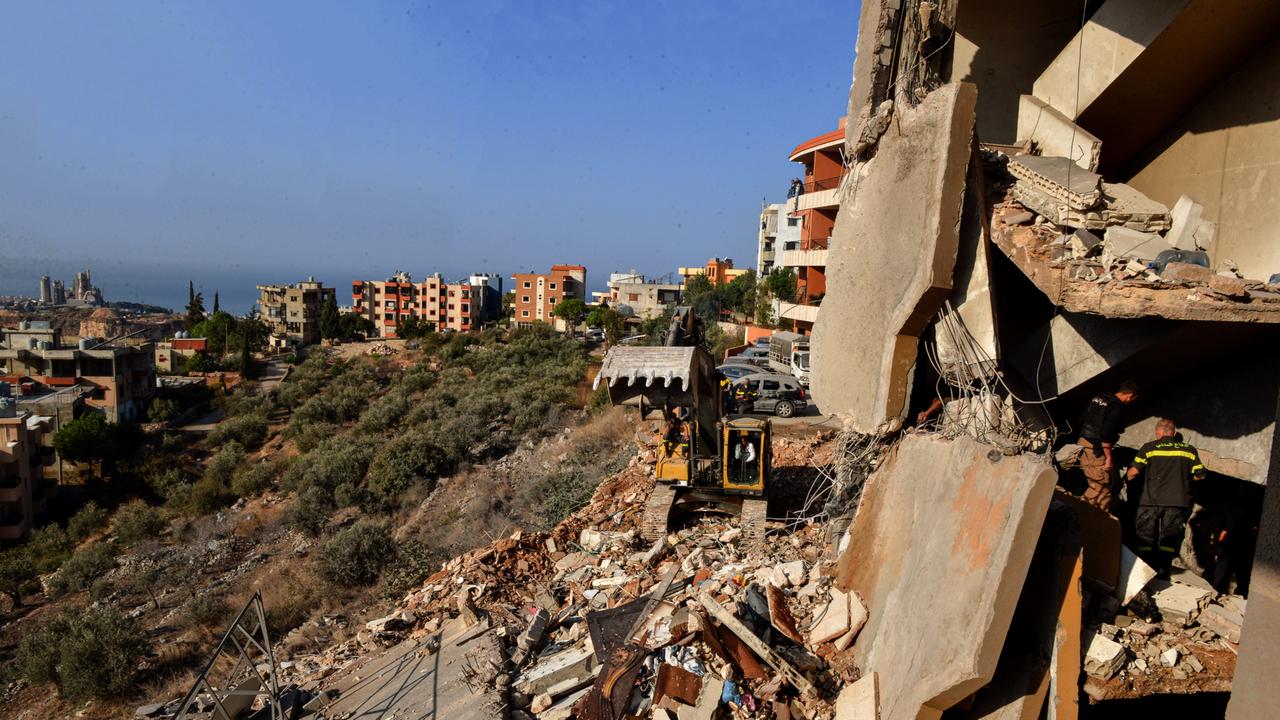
[(354, 139)]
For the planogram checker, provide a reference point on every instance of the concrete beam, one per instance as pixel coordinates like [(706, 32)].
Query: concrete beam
[(939, 550), (892, 256), (1112, 39)]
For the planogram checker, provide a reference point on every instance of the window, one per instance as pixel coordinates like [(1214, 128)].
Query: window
[(526, 284), (633, 297), (524, 313), (466, 308), (769, 385), (524, 298), (792, 221), (552, 301), (552, 286)]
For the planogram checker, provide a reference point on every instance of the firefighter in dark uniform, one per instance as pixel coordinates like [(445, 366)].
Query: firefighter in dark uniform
[(1168, 466), (745, 396), (726, 394), (1099, 430)]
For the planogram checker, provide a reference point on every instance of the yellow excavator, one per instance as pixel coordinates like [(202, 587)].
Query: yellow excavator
[(708, 462)]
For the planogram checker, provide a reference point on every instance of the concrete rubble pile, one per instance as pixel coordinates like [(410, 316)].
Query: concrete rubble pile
[(1104, 232), (590, 621), (1170, 633)]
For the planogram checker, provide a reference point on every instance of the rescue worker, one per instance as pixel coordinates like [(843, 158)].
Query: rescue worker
[(1168, 465), (745, 395), (726, 393), (1099, 430)]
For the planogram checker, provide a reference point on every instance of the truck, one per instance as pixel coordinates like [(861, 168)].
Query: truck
[(789, 355)]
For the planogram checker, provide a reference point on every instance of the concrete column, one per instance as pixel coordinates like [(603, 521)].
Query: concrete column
[(1254, 692)]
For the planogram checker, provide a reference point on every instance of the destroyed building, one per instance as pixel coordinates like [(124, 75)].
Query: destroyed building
[(1048, 200), (1043, 200)]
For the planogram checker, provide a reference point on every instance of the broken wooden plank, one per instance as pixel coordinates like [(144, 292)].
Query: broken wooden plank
[(784, 668)]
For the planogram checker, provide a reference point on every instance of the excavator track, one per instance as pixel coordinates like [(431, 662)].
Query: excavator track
[(653, 524), (753, 520)]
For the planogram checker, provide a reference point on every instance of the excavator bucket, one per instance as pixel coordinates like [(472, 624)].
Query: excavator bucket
[(661, 375)]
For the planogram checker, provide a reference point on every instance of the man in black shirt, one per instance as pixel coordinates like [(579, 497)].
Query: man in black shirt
[(1168, 466), (1099, 430)]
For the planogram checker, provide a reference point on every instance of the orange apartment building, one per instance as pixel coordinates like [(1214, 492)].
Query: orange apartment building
[(536, 295), (718, 271), (459, 307), (816, 204)]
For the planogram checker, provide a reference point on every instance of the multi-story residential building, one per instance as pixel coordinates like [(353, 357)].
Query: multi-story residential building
[(118, 380), (460, 306), (293, 311), (22, 456), (645, 298), (536, 295), (172, 355), (779, 230), (719, 271), (815, 204)]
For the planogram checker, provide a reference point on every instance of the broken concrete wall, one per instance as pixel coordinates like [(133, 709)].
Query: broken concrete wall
[(1055, 134), (939, 550), (1253, 693), (891, 260), (1226, 154), (967, 341)]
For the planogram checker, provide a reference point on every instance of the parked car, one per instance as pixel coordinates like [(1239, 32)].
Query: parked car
[(780, 395), (737, 371), (756, 356)]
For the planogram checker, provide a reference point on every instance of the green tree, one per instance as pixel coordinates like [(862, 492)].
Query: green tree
[(88, 654), (782, 284), (16, 570), (330, 323), (195, 310), (572, 311), (162, 410), (217, 308), (409, 328), (740, 293), (89, 439), (354, 325)]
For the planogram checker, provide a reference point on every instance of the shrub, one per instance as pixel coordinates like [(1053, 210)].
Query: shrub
[(336, 461), (88, 521), (162, 410), (414, 562), (90, 654), (16, 573), (138, 521), (213, 490), (310, 512), (205, 610), (410, 458), (253, 480), (49, 547), (309, 437), (247, 430), (355, 556), (82, 568)]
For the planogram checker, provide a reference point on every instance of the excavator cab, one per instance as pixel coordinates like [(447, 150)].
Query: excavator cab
[(746, 455)]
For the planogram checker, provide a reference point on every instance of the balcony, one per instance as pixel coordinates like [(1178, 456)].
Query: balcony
[(796, 311), (818, 193), (11, 494), (803, 258)]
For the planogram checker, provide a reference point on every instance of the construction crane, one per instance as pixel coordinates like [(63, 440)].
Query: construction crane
[(708, 462)]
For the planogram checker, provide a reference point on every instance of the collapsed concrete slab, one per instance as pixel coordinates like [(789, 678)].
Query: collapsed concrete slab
[(1055, 133), (892, 255), (939, 549)]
